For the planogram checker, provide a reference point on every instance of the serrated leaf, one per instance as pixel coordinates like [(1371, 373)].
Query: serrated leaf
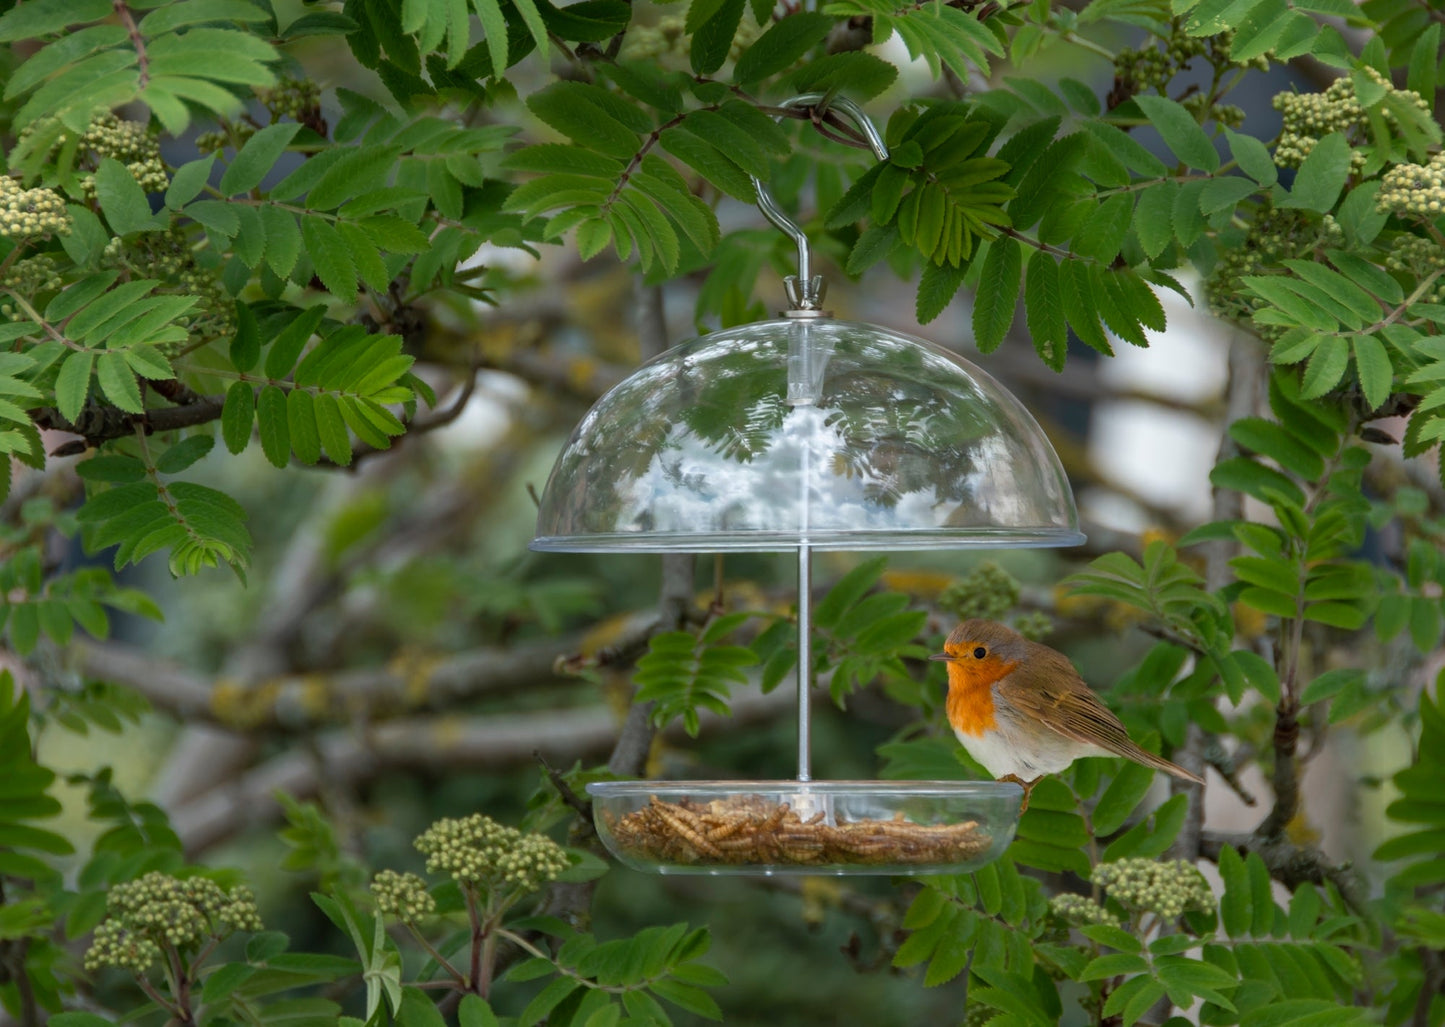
[(1326, 367), (121, 199), (118, 382), (271, 420), (237, 415), (72, 384), (1372, 362), (998, 293), (1321, 176), (1180, 131), (936, 286), (1044, 309), (785, 41), (1253, 157), (257, 157), (330, 257)]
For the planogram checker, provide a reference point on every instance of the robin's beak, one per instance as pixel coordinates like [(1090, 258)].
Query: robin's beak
[(941, 657)]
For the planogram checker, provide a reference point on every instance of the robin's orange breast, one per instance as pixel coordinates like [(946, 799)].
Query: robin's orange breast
[(970, 694)]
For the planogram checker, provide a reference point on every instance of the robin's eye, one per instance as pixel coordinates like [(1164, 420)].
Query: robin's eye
[(980, 653)]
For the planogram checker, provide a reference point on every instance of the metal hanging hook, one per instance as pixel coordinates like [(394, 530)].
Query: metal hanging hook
[(805, 290)]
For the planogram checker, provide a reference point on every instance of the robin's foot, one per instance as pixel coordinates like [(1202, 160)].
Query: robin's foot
[(1027, 786)]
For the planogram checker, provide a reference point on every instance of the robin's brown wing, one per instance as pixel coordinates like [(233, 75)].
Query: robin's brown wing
[(1052, 691)]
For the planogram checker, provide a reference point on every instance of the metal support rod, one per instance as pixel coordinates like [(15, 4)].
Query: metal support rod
[(805, 662)]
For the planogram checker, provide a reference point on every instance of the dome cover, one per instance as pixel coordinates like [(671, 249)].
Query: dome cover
[(806, 431)]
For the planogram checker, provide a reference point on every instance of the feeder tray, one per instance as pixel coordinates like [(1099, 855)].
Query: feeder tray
[(792, 827), (803, 433)]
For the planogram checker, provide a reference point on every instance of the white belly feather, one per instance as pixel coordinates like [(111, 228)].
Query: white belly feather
[(1027, 755)]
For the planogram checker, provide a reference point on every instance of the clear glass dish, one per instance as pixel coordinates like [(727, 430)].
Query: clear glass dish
[(791, 432), (814, 827)]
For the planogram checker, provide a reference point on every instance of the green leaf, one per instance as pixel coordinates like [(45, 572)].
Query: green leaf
[(1044, 309), (1372, 362), (1154, 217), (998, 293), (43, 17), (787, 40), (118, 382), (1272, 440), (184, 453), (330, 256), (1326, 367), (257, 157), (1181, 133), (237, 415), (188, 181), (72, 384), (121, 199), (1253, 157), (1122, 796), (936, 286), (271, 418), (475, 1012), (1320, 178), (301, 421), (712, 36), (281, 358)]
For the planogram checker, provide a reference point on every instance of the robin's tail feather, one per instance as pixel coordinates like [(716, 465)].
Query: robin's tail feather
[(1144, 756)]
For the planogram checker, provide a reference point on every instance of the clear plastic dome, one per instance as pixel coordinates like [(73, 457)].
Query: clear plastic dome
[(806, 432)]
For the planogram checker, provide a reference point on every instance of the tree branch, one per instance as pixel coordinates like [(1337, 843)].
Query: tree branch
[(441, 745), (299, 702)]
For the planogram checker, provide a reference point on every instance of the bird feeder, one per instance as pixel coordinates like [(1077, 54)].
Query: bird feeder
[(798, 434)]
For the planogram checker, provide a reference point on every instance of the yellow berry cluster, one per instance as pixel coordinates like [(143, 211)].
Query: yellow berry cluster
[(1417, 189), (1308, 117), (1079, 910), (1166, 889), (478, 851), (32, 276), (28, 213), (158, 911), (130, 142), (403, 896), (296, 98), (988, 592)]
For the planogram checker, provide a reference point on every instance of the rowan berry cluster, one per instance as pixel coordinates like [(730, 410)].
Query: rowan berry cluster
[(480, 852), (1154, 67), (1274, 236), (403, 896), (1308, 117), (158, 911), (1417, 189), (1166, 889), (218, 140), (295, 98), (988, 592), (130, 142), (668, 38), (1034, 626), (1079, 910), (32, 276), (28, 213)]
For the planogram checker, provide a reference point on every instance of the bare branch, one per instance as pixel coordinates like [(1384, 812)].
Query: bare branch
[(438, 745), (298, 702)]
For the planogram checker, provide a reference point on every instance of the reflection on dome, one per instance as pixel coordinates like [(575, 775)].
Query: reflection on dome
[(836, 434)]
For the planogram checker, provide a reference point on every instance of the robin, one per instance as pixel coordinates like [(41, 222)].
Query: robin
[(1021, 709)]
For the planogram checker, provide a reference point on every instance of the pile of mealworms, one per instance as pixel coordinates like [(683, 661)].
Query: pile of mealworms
[(751, 830)]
